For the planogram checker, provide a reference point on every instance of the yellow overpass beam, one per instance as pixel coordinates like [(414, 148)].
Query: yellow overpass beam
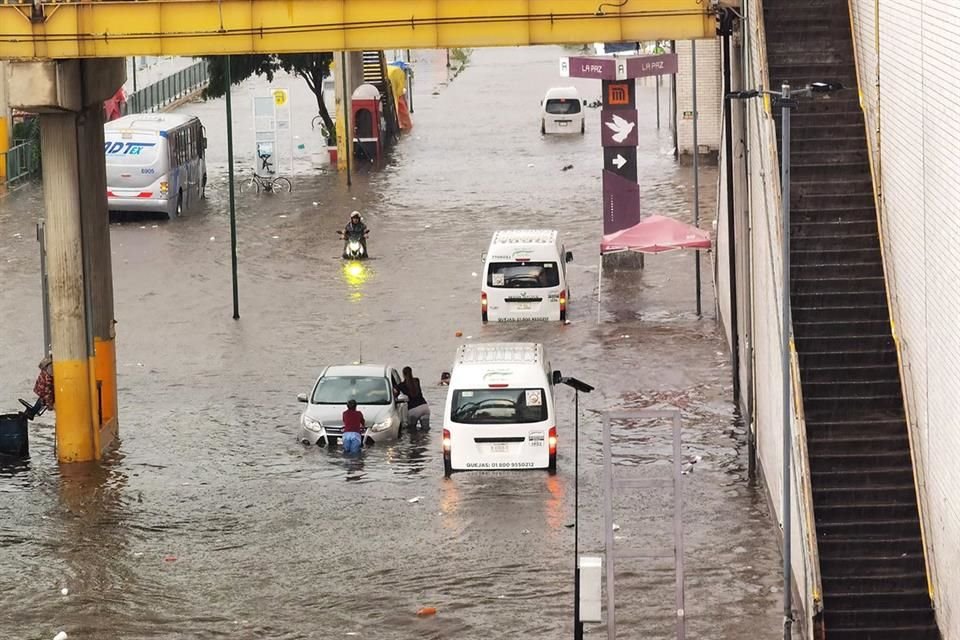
[(120, 28)]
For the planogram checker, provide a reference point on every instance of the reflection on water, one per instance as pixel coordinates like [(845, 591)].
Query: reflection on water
[(355, 274)]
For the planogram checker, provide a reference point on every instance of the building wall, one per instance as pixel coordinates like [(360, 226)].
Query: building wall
[(914, 128), (709, 99)]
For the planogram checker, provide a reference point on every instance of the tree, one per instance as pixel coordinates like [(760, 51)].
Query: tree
[(312, 67)]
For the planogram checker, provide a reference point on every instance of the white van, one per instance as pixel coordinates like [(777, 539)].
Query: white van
[(155, 163), (525, 276), (562, 111), (499, 412)]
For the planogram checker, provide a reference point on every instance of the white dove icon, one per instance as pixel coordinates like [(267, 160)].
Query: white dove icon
[(620, 127)]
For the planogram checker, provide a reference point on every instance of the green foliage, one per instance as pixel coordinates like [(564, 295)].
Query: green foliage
[(461, 55), (312, 67)]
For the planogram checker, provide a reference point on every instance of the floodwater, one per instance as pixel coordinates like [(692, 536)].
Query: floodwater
[(211, 521)]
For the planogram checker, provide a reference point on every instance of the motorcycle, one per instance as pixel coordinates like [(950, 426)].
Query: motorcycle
[(353, 249)]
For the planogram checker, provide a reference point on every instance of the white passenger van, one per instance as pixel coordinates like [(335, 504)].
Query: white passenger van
[(562, 111), (499, 412), (525, 276), (155, 163)]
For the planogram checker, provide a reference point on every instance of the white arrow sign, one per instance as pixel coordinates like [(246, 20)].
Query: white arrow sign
[(619, 161)]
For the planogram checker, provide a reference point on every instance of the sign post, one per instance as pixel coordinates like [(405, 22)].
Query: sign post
[(618, 126)]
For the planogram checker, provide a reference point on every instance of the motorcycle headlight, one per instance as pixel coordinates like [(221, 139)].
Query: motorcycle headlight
[(383, 425), (310, 424)]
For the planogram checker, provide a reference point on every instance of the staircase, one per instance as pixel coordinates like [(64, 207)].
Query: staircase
[(865, 507), (375, 73)]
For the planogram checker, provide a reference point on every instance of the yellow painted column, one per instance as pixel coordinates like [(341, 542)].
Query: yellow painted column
[(99, 276), (4, 145), (76, 431)]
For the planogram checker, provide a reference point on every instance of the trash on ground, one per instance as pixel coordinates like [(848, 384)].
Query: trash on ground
[(416, 499), (426, 611), (64, 591)]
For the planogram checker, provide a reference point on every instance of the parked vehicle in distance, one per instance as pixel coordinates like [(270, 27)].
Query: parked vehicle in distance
[(499, 412), (371, 385), (562, 111), (525, 276), (155, 163)]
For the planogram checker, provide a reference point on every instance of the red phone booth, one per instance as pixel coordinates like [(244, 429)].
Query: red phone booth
[(366, 123)]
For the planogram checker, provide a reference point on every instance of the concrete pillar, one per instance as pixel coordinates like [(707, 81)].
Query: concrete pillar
[(353, 61), (76, 424), (69, 96), (96, 241)]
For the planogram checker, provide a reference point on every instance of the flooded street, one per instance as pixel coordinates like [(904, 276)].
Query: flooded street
[(211, 521)]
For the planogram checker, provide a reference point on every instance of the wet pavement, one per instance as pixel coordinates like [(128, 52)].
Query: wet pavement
[(210, 521)]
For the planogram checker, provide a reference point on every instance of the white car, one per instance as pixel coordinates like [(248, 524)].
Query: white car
[(373, 386)]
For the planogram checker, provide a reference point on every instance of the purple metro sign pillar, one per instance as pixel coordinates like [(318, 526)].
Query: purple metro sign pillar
[(618, 126), (618, 135)]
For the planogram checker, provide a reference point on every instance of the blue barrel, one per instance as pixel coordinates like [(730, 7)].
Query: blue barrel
[(14, 440)]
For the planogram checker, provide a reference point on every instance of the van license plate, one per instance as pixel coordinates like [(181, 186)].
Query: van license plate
[(523, 306), (563, 124), (499, 448)]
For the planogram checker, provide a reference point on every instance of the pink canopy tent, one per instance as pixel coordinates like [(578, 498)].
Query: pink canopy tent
[(653, 234)]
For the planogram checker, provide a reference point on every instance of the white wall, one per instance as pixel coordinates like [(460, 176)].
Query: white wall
[(918, 148), (708, 96)]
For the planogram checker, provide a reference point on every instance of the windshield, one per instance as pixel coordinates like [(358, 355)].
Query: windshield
[(142, 150), (563, 106), (339, 389), (523, 275), (498, 406)]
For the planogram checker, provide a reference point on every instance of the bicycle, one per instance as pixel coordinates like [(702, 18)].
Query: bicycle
[(267, 184)]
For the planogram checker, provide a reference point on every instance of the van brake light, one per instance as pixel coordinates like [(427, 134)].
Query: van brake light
[(446, 442), (552, 440), (499, 385), (522, 259), (483, 299)]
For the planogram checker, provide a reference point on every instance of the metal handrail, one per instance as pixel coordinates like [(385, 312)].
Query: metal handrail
[(168, 90), (20, 161), (805, 488)]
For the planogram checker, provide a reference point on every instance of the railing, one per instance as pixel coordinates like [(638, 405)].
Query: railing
[(813, 589), (167, 91), (21, 161)]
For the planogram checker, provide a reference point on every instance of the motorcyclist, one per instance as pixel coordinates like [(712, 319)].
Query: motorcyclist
[(355, 230)]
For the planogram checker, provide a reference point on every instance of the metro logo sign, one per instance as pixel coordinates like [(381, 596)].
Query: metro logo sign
[(126, 148)]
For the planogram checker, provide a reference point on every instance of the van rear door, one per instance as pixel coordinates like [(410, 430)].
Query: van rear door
[(499, 427), (524, 289)]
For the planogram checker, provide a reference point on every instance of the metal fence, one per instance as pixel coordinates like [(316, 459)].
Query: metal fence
[(20, 161), (165, 92)]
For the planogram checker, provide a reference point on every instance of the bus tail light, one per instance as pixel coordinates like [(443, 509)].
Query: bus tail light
[(164, 187), (552, 441), (446, 443)]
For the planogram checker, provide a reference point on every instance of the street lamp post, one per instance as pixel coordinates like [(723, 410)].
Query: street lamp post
[(578, 386), (785, 98)]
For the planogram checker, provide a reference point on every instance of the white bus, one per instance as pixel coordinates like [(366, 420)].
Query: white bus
[(155, 163), (499, 412)]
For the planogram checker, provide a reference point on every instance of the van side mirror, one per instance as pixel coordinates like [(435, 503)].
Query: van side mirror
[(568, 256), (557, 376), (204, 143), (402, 399), (483, 256), (301, 397)]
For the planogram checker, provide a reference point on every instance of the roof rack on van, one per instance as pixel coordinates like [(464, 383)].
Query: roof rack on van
[(497, 352), (525, 236)]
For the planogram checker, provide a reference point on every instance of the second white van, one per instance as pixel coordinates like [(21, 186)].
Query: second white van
[(562, 111), (499, 412), (525, 276)]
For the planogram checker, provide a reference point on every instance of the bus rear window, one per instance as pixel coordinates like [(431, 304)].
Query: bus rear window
[(139, 151), (498, 406), (523, 275), (563, 106)]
